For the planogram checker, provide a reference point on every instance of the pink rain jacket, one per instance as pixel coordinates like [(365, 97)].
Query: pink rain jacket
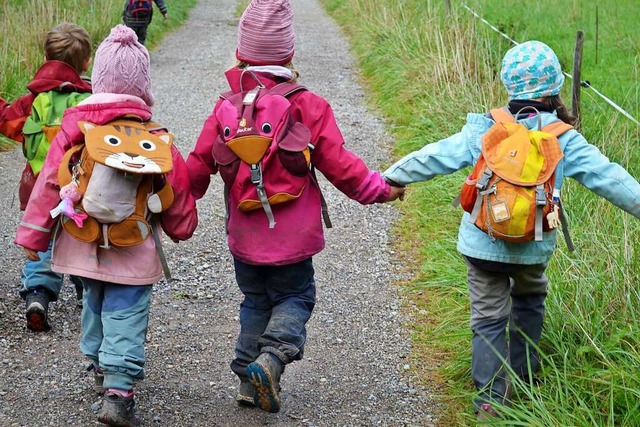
[(137, 265), (298, 233)]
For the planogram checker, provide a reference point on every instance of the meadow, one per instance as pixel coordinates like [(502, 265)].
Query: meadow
[(425, 70)]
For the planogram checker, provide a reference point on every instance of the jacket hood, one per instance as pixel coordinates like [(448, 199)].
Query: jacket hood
[(58, 75), (235, 74)]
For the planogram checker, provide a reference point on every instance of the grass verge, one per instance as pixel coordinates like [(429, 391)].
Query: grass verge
[(425, 70)]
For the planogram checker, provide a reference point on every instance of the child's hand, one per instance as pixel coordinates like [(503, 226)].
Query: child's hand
[(396, 193), (166, 15), (30, 254)]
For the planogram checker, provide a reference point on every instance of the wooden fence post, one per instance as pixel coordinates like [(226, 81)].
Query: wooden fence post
[(575, 88)]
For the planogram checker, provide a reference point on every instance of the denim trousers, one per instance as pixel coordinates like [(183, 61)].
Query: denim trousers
[(38, 275), (114, 328), (278, 301), (500, 301)]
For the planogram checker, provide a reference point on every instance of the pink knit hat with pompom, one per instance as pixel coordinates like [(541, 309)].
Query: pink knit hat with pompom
[(265, 33), (121, 65)]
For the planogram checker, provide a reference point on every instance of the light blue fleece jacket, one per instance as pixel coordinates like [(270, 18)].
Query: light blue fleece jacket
[(582, 162)]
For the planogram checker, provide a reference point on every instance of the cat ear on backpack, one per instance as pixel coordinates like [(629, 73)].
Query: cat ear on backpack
[(166, 137), (85, 126)]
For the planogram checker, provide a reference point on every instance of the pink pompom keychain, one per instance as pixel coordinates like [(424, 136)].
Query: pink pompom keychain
[(70, 195)]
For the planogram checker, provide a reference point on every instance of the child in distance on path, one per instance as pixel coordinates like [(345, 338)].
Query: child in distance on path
[(273, 266), (67, 52), (139, 21), (118, 280), (506, 280)]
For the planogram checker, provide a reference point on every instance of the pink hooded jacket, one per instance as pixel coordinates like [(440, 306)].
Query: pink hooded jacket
[(298, 233), (137, 265)]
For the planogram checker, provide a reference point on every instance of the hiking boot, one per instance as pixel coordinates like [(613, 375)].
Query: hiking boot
[(264, 375), (77, 282), (98, 378), (37, 303), (245, 393), (486, 413), (118, 411)]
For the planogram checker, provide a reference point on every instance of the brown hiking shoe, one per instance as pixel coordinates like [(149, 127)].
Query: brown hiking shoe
[(245, 393), (98, 378), (118, 411), (264, 375)]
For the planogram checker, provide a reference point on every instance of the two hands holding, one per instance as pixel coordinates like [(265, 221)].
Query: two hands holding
[(397, 191)]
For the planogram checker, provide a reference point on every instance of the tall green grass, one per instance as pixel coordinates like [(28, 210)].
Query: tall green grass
[(426, 71), (25, 23)]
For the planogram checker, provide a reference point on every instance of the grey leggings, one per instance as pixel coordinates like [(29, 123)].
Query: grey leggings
[(500, 300)]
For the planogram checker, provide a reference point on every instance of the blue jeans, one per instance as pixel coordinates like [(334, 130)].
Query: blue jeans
[(114, 328), (278, 301), (38, 275), (513, 300)]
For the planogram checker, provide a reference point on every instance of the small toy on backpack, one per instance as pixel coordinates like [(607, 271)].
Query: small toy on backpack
[(70, 195)]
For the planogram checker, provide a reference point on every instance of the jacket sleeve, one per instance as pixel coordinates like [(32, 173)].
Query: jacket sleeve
[(587, 165), (35, 229), (181, 219), (13, 115), (162, 6), (344, 169), (439, 158), (200, 163)]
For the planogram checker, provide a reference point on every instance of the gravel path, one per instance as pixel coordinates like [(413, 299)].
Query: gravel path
[(354, 371)]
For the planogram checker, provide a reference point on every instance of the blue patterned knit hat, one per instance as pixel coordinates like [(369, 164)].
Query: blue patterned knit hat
[(531, 70)]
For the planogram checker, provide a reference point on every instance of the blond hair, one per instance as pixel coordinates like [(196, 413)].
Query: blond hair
[(68, 43)]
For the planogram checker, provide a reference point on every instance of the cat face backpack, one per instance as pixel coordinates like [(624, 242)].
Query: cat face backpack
[(118, 174)]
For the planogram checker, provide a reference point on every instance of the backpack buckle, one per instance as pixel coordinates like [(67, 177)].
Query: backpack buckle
[(541, 196), (484, 179), (256, 174)]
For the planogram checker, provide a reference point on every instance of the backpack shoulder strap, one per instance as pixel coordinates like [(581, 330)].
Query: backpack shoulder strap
[(152, 126), (557, 128), (286, 89), (501, 115), (64, 172)]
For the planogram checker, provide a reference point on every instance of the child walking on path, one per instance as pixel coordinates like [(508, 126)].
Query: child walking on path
[(118, 280), (273, 244), (67, 50), (138, 14), (506, 280)]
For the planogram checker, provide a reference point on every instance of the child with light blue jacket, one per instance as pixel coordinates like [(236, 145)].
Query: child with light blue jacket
[(506, 280)]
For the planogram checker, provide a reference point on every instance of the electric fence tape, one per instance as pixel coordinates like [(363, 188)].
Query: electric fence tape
[(583, 83)]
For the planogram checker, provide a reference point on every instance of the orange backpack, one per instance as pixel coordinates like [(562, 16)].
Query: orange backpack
[(114, 172), (510, 192)]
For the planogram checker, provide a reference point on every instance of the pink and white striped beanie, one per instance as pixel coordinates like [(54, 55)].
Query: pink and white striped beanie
[(265, 33)]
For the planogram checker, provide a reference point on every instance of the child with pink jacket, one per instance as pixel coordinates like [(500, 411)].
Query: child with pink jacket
[(273, 259), (118, 280)]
